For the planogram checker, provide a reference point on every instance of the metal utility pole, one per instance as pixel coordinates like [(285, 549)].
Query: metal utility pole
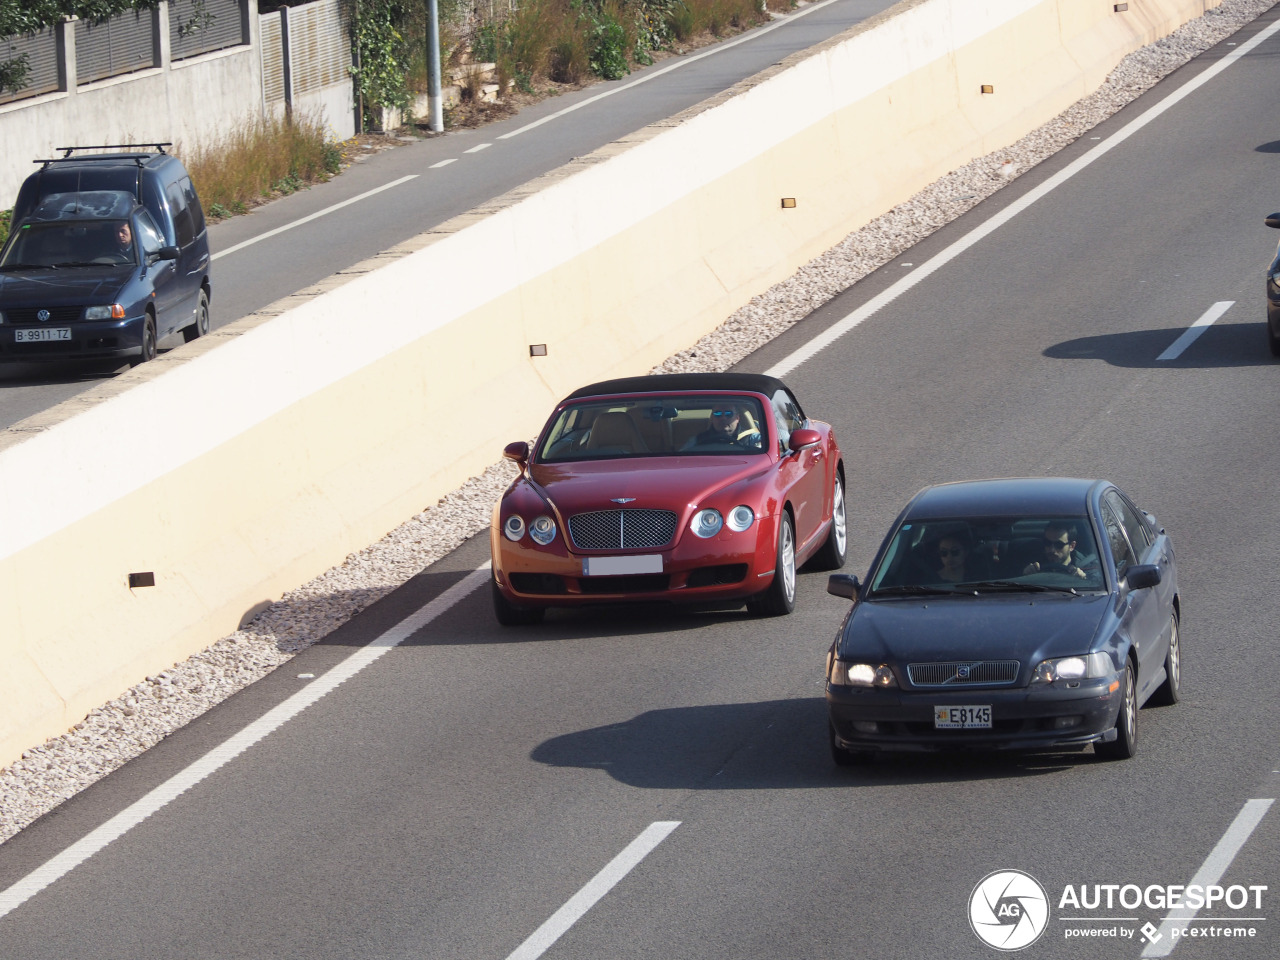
[(435, 101)]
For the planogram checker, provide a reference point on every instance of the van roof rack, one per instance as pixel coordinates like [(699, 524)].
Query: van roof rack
[(138, 158), (67, 151)]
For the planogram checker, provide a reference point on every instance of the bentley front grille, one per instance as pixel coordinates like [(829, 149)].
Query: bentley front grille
[(622, 529)]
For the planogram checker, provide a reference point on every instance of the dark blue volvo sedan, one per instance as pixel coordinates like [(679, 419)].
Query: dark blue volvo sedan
[(1032, 614)]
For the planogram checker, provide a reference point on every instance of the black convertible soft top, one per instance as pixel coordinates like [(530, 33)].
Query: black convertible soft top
[(682, 383)]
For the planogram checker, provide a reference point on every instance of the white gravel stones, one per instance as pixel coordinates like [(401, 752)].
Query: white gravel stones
[(129, 725)]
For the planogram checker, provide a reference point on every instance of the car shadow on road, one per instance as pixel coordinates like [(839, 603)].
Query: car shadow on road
[(773, 744), (24, 374), (353, 617), (1222, 345)]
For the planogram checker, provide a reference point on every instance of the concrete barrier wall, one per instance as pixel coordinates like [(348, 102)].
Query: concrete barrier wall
[(187, 102), (247, 462)]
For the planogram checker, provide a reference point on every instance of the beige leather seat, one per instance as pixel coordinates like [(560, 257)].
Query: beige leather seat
[(617, 433)]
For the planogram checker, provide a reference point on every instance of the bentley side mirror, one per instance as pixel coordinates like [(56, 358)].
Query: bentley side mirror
[(518, 451), (1142, 575), (1274, 221), (843, 585), (804, 437)]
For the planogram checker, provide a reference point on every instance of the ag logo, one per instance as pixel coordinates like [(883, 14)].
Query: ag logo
[(1008, 910)]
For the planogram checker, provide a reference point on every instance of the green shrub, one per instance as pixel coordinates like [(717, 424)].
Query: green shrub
[(609, 48), (6, 218)]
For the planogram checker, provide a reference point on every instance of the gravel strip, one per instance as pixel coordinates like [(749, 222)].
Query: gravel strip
[(129, 725)]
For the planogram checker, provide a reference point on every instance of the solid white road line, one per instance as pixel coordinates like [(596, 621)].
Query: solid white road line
[(1210, 872), (314, 216), (586, 898), (1190, 335), (925, 270), (654, 74), (175, 786)]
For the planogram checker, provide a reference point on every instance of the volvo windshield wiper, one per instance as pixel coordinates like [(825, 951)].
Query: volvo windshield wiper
[(1014, 586), (912, 590)]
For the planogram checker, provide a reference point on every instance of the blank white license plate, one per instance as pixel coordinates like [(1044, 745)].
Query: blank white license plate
[(962, 718), (619, 566), (42, 335)]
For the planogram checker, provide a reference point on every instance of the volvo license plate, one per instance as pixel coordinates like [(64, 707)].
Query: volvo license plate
[(962, 718)]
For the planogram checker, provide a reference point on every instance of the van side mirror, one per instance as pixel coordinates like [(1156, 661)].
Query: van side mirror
[(1142, 575), (843, 585), (165, 253)]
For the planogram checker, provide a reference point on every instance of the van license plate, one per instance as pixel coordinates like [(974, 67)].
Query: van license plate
[(42, 335)]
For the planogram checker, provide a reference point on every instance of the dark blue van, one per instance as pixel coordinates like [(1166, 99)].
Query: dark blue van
[(108, 256)]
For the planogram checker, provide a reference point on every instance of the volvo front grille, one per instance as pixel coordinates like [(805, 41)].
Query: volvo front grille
[(963, 673)]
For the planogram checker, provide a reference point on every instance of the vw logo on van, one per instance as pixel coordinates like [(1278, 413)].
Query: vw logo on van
[(42, 315)]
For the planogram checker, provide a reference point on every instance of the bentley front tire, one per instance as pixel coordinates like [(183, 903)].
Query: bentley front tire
[(510, 615)]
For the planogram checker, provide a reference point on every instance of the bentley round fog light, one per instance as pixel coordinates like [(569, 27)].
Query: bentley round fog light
[(706, 523), (741, 517), (543, 530), (514, 527)]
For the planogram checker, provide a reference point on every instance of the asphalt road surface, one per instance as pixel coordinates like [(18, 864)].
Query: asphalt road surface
[(475, 792), (401, 193)]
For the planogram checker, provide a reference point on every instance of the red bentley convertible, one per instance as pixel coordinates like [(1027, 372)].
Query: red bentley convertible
[(703, 487)]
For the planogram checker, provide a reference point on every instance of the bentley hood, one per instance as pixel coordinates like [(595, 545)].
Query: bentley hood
[(666, 483)]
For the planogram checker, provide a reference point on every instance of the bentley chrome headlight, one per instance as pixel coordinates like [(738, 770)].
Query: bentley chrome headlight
[(740, 518), (543, 530), (514, 527), (706, 523)]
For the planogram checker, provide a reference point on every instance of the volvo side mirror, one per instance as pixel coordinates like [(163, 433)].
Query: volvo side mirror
[(843, 585)]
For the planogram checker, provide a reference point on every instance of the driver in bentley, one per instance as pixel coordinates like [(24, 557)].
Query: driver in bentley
[(727, 428)]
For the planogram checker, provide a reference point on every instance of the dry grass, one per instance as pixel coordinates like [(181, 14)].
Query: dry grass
[(267, 158)]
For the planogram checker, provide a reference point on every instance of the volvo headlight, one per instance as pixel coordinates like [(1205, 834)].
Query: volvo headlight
[(740, 517), (845, 674), (543, 530), (706, 523), (1089, 667), (514, 527)]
